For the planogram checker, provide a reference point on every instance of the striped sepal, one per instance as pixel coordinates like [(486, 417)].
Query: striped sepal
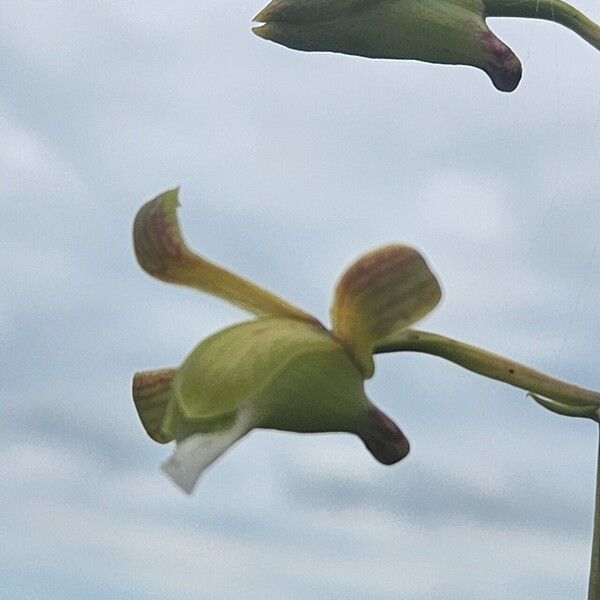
[(381, 293), (162, 252), (151, 395)]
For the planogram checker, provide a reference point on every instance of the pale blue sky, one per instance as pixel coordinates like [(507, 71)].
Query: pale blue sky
[(291, 165)]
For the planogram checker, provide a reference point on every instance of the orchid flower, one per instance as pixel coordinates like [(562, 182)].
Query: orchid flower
[(285, 370), (436, 31)]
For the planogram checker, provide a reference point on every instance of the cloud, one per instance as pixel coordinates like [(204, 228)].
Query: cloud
[(124, 538), (422, 494)]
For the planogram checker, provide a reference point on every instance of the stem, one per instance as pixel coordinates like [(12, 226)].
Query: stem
[(490, 365), (583, 411), (594, 585), (550, 10)]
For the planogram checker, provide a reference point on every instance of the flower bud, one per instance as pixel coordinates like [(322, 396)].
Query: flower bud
[(436, 31)]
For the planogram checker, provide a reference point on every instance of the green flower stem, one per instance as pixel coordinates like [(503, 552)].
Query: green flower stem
[(490, 365), (555, 395), (594, 585), (550, 10)]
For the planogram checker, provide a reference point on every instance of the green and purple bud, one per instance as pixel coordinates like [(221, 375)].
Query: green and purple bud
[(436, 31)]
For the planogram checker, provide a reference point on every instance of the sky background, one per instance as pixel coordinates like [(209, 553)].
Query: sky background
[(291, 166)]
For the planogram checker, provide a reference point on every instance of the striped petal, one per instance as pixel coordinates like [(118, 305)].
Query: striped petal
[(152, 395), (380, 294), (162, 252)]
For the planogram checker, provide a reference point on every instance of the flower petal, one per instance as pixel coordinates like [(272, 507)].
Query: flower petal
[(194, 454), (380, 294), (151, 395), (162, 252), (235, 366)]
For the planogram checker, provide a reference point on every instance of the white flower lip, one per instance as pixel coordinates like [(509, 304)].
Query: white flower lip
[(194, 454)]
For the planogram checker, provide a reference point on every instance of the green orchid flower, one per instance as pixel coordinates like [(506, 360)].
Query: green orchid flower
[(284, 370), (436, 31)]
